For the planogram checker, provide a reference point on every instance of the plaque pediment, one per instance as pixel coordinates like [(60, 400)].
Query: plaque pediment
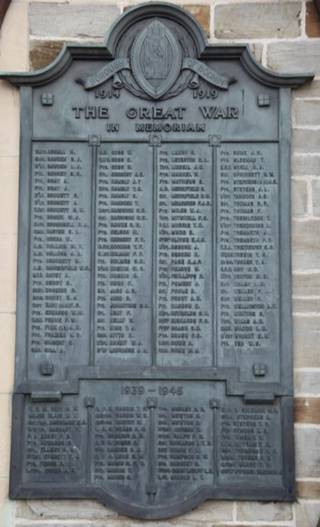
[(153, 351), (193, 41), (157, 59)]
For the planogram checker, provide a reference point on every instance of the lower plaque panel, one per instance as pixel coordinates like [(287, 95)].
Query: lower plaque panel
[(151, 449)]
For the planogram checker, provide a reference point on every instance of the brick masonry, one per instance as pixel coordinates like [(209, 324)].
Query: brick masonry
[(284, 35)]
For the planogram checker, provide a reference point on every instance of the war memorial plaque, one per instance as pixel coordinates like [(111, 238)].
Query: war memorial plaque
[(154, 355)]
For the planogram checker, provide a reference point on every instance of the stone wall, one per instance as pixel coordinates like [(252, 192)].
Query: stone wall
[(284, 36)]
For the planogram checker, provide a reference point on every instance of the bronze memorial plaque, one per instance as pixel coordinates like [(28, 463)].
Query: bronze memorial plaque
[(154, 361)]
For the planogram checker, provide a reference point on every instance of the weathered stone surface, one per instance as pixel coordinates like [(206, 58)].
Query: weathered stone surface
[(316, 197), (307, 410), (307, 513), (306, 244), (211, 511), (308, 489), (200, 13), (260, 511), (9, 122), (299, 198), (307, 112), (7, 349), (310, 89), (307, 445), (306, 305), (85, 523), (91, 510), (9, 178), (306, 165), (294, 57), (8, 266), (280, 20), (63, 509), (6, 505), (307, 382), (312, 20), (43, 52), (5, 420), (64, 20), (126, 523), (256, 49), (4, 489), (306, 284), (306, 338), (13, 38), (306, 141)]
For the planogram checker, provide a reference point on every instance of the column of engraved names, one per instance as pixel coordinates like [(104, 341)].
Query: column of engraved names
[(123, 235), (184, 444), (54, 441), (119, 443), (60, 257), (247, 234), (184, 185), (249, 443)]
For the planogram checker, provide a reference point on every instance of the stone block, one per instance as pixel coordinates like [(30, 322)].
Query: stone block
[(123, 522), (307, 513), (260, 511), (5, 420), (301, 56), (306, 338), (4, 489), (14, 38), (306, 284), (257, 50), (62, 513), (136, 523), (305, 141), (316, 197), (64, 20), (9, 122), (307, 410), (43, 52), (7, 349), (8, 266), (299, 198), (306, 165), (312, 20), (306, 112), (307, 447), (59, 523), (76, 523), (6, 506), (306, 305), (210, 511), (63, 509), (201, 13), (310, 89), (306, 244), (308, 489), (307, 382), (9, 183), (278, 20)]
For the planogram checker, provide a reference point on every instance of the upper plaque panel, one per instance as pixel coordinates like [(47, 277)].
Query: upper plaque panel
[(153, 362)]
